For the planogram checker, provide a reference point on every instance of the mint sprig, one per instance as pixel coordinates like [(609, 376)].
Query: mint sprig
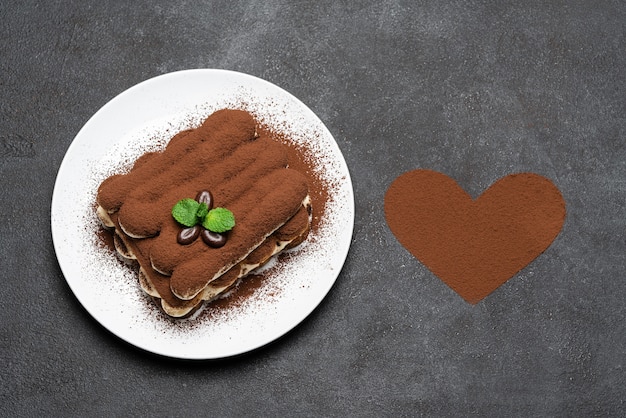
[(219, 220), (202, 212), (189, 212)]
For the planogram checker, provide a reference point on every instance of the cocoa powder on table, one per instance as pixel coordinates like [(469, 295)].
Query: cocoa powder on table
[(474, 245)]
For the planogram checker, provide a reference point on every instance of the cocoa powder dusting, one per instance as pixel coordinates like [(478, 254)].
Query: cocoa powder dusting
[(302, 161), (256, 172), (222, 131)]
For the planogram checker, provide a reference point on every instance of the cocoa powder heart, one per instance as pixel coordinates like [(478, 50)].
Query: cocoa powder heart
[(474, 245)]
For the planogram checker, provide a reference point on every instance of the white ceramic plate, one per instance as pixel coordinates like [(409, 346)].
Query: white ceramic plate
[(143, 118)]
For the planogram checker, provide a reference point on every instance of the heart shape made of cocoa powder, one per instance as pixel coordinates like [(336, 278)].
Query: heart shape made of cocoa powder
[(474, 245)]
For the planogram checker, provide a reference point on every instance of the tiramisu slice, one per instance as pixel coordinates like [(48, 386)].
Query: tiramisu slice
[(216, 204)]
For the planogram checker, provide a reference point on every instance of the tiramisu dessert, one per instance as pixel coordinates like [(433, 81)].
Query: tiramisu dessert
[(217, 203)]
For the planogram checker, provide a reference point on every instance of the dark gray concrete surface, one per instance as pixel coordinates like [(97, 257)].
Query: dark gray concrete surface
[(475, 89)]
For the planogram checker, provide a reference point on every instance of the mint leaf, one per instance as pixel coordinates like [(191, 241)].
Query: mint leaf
[(219, 220), (201, 212), (185, 212)]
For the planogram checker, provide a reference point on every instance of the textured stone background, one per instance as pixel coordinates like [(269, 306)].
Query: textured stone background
[(475, 89)]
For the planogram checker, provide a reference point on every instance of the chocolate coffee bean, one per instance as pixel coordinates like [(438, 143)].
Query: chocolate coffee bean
[(213, 239), (205, 196), (188, 235)]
